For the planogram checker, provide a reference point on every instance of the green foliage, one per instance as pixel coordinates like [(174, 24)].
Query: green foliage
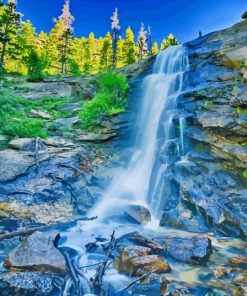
[(110, 99), (15, 114), (35, 66)]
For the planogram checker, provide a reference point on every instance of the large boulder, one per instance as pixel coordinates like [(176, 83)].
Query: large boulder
[(26, 284), (138, 214), (195, 249), (137, 261), (14, 164), (36, 253)]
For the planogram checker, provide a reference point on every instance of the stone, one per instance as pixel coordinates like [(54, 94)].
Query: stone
[(42, 89), (95, 137), (196, 249), (138, 214), (36, 253), (26, 283), (41, 114), (136, 261), (239, 262), (2, 138), (58, 142), (145, 242), (70, 107), (23, 144), (13, 164), (68, 121)]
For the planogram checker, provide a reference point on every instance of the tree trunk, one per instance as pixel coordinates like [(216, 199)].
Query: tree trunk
[(3, 55)]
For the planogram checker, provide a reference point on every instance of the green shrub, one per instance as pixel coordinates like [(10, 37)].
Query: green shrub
[(109, 100), (35, 64), (22, 127)]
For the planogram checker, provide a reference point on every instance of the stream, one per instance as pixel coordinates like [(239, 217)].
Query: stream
[(144, 181)]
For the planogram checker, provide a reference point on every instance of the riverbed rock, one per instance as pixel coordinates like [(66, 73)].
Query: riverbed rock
[(238, 262), (138, 214), (21, 143), (137, 261), (26, 284), (14, 164), (70, 107), (36, 253), (140, 240), (195, 249)]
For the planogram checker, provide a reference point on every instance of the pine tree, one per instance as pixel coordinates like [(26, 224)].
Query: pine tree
[(120, 53), (172, 40), (142, 43), (10, 21), (106, 53), (67, 19), (129, 48), (155, 49), (115, 34), (164, 44), (149, 40)]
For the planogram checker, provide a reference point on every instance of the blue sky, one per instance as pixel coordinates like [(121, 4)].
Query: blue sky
[(183, 18)]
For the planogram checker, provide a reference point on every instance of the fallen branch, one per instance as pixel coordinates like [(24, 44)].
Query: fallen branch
[(138, 280), (29, 230), (98, 280)]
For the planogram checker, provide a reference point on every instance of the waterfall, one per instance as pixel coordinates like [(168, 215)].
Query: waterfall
[(141, 181)]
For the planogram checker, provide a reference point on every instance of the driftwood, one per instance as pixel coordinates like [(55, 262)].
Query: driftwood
[(98, 280), (29, 230), (138, 280)]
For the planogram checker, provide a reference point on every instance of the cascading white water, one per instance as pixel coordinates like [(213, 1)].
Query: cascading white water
[(158, 108)]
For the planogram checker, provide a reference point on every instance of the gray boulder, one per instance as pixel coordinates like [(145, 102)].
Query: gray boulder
[(36, 253), (195, 249)]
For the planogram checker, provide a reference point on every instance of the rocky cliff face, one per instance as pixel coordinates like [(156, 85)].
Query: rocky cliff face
[(212, 183)]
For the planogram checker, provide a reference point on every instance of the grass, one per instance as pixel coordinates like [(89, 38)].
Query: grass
[(15, 114), (108, 101)]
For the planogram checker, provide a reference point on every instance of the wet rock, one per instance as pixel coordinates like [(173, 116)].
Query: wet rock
[(145, 242), (138, 214), (239, 262), (26, 284), (36, 253), (14, 164), (41, 114), (195, 249), (136, 261), (92, 247)]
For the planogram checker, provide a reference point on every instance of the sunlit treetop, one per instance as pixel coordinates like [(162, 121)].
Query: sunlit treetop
[(66, 16), (115, 20)]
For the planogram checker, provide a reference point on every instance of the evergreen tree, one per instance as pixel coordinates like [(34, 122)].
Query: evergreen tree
[(115, 34), (129, 48), (149, 40), (170, 41), (106, 53), (67, 19), (164, 44), (10, 21), (120, 53), (35, 65), (142, 43), (155, 49)]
